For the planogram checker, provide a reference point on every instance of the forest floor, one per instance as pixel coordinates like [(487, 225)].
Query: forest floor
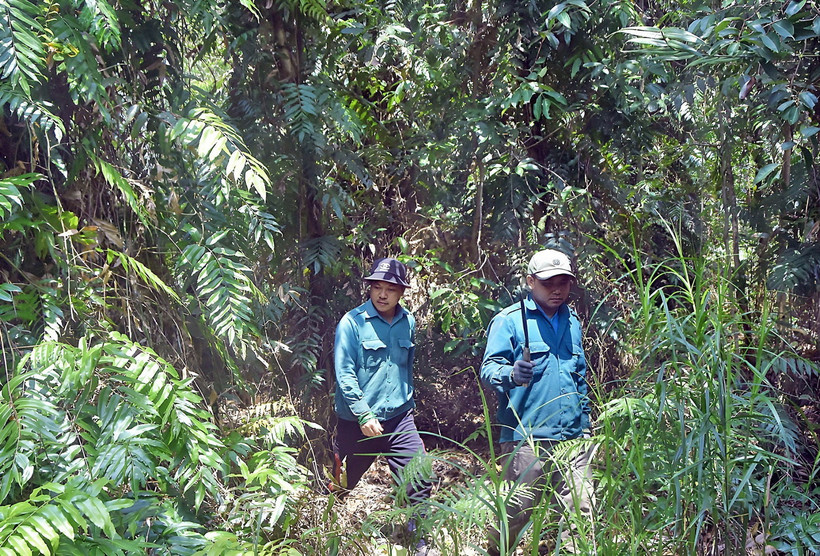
[(373, 499)]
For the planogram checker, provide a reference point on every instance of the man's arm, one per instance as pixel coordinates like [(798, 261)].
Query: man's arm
[(346, 362), (499, 355)]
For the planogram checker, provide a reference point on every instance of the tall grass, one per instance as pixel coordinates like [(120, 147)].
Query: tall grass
[(696, 444)]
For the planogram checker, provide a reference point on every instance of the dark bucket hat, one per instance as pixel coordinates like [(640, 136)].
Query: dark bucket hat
[(389, 270)]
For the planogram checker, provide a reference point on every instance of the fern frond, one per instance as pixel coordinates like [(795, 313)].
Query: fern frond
[(300, 109), (219, 145), (224, 289), (22, 55), (101, 20), (10, 195), (36, 114), (147, 275), (116, 180)]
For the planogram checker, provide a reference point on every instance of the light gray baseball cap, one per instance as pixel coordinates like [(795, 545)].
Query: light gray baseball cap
[(548, 263)]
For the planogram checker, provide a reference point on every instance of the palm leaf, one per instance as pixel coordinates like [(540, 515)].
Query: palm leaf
[(79, 62), (116, 180), (37, 114), (185, 428), (219, 145), (26, 421), (300, 109), (143, 272), (22, 55), (224, 289), (10, 195)]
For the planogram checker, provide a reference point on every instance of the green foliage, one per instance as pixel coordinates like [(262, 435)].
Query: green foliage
[(87, 430), (797, 269), (224, 290), (38, 115), (216, 143), (22, 56), (245, 160), (702, 444), (118, 182), (143, 272), (10, 193)]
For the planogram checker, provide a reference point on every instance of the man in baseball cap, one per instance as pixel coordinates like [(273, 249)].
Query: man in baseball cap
[(539, 376)]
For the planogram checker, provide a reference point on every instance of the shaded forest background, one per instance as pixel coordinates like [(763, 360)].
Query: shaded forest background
[(191, 191)]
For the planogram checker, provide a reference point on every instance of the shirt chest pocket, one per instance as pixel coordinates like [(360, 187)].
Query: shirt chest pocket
[(406, 344), (374, 353), (539, 351)]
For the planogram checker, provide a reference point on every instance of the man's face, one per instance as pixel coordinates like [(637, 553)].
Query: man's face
[(385, 296), (550, 293)]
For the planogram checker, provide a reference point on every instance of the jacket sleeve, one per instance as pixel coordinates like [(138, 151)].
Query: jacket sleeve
[(499, 355), (346, 362)]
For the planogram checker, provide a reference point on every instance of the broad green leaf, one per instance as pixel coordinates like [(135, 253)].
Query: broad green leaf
[(808, 99), (794, 7), (764, 172), (556, 9), (784, 28), (564, 19), (6, 291), (58, 520), (770, 41), (94, 510), (808, 131), (44, 527), (680, 35), (20, 547)]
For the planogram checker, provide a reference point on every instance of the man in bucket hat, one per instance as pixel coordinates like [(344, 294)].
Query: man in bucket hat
[(539, 376), (373, 358)]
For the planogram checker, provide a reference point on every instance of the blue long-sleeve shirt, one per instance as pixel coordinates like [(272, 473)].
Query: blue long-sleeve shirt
[(555, 405), (374, 361)]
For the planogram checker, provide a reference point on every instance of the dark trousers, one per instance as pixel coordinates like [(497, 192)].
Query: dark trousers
[(399, 443)]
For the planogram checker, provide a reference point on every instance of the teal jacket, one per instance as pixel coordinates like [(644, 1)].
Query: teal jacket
[(555, 405), (374, 361)]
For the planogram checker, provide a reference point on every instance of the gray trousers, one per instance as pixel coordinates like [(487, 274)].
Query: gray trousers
[(559, 470)]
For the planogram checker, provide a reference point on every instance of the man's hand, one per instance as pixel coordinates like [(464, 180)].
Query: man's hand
[(522, 372), (373, 427)]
